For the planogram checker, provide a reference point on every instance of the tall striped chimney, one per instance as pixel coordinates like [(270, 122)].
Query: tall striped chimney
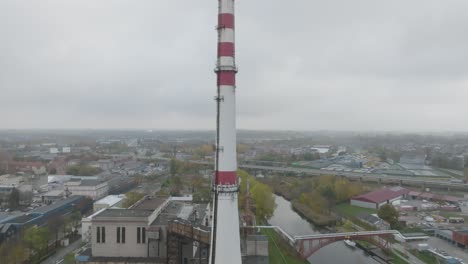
[(225, 243)]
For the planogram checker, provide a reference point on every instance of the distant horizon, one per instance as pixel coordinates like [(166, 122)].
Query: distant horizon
[(149, 130)]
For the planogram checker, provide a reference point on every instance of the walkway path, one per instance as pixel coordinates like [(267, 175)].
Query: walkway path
[(412, 259), (62, 252)]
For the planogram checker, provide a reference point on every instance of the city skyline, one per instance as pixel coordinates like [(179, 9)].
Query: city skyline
[(326, 66)]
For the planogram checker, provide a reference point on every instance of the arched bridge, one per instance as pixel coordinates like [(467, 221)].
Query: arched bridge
[(309, 244)]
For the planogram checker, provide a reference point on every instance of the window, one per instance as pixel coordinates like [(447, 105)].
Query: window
[(118, 234), (141, 235), (100, 234), (123, 235), (138, 235)]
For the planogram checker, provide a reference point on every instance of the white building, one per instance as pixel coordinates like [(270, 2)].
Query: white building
[(108, 202), (66, 150), (94, 189), (54, 150), (142, 230), (86, 226)]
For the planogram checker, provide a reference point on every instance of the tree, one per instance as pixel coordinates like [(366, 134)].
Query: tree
[(13, 199), (314, 201), (264, 200), (55, 224), (36, 239), (329, 194), (75, 219), (131, 198), (84, 204), (13, 251), (173, 167), (83, 170), (390, 214), (261, 194)]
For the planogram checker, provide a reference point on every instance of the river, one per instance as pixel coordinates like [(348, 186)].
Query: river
[(291, 222)]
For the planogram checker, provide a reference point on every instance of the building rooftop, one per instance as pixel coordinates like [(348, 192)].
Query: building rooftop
[(169, 213), (58, 204), (111, 199), (22, 219), (193, 213), (150, 202), (4, 216), (90, 182), (123, 213), (53, 193), (381, 195)]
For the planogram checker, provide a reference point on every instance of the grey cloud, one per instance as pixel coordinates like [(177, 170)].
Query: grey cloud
[(394, 65)]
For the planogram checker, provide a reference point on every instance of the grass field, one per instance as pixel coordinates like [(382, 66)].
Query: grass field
[(397, 260), (425, 257), (279, 252), (348, 210), (454, 214)]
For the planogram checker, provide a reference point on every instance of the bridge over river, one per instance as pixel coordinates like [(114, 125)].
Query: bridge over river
[(309, 244)]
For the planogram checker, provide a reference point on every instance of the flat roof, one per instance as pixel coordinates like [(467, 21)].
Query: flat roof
[(22, 219), (53, 193), (90, 182), (414, 234), (124, 213), (169, 213), (177, 209), (150, 203), (58, 204), (111, 199)]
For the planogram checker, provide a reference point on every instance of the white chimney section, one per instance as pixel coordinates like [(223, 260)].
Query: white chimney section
[(225, 242)]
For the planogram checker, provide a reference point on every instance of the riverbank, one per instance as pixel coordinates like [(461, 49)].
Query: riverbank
[(319, 220), (315, 198), (295, 225), (280, 252)]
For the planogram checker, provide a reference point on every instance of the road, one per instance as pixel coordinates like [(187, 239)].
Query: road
[(382, 178), (62, 252), (452, 250)]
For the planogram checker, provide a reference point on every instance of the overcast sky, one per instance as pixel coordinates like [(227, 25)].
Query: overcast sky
[(303, 64)]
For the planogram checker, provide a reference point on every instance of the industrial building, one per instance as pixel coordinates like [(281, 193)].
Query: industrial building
[(154, 230), (95, 189), (41, 215), (380, 197)]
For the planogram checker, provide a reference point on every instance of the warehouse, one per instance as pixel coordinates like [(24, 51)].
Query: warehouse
[(380, 197)]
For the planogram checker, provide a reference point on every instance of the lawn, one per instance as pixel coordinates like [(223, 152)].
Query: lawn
[(348, 210), (425, 257), (454, 214), (279, 253), (397, 260)]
